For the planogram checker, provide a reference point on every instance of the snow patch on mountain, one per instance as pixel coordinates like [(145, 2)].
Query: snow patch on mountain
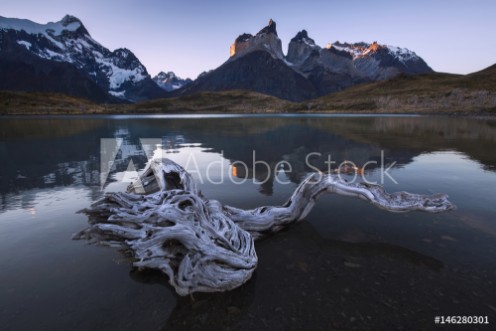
[(120, 94), (309, 42), (52, 55), (403, 54), (355, 50), (116, 75), (25, 44)]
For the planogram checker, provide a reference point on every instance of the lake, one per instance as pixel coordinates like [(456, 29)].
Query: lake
[(347, 265)]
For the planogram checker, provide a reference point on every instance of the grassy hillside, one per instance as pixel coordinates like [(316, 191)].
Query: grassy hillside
[(216, 102), (416, 94), (24, 103)]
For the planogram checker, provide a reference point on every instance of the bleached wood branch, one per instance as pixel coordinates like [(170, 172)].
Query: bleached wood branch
[(202, 245)]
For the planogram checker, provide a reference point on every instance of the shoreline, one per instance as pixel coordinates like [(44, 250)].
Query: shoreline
[(237, 102), (190, 114)]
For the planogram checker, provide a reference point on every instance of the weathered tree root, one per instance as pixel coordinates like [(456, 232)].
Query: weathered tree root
[(202, 245)]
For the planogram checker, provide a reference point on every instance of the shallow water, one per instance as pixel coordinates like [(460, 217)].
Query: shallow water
[(347, 265)]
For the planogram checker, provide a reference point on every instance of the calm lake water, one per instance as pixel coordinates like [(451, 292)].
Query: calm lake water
[(348, 265)]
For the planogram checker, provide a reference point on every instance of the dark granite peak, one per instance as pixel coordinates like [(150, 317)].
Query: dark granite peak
[(270, 28)]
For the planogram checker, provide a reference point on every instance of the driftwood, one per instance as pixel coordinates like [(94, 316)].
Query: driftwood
[(202, 245)]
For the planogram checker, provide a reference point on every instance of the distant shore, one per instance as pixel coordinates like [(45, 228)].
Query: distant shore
[(423, 94)]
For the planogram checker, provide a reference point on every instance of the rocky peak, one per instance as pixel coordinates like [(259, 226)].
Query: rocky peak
[(73, 24), (243, 37), (301, 47), (124, 58), (68, 19), (168, 81), (374, 47), (338, 51), (168, 74), (265, 40), (302, 36), (124, 53), (270, 28)]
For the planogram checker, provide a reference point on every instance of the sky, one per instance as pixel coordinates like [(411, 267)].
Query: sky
[(189, 37)]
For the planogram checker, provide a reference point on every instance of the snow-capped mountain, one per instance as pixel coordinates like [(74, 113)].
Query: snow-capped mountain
[(168, 81), (257, 63), (118, 73), (363, 49), (376, 61)]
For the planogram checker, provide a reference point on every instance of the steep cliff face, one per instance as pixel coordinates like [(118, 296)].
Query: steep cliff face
[(265, 40), (300, 48), (257, 64), (29, 73), (329, 70)]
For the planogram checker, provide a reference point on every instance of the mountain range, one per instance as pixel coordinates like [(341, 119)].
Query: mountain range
[(257, 63), (62, 57)]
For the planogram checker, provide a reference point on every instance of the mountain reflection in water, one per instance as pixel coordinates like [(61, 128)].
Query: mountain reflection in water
[(347, 265)]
